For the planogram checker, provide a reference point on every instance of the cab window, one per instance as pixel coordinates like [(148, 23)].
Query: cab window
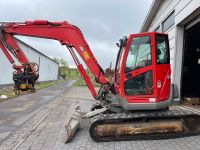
[(139, 54), (162, 50)]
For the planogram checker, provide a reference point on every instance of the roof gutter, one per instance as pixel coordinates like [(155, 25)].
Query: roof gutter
[(150, 15)]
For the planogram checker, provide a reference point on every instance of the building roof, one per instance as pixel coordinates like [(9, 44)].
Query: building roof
[(150, 15), (35, 50)]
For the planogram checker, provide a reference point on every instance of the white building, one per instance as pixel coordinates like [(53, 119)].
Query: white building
[(181, 20), (48, 68)]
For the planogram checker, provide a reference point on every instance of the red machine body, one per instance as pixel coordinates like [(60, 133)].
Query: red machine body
[(141, 82)]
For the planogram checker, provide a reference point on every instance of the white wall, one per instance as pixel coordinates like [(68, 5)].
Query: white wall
[(48, 68), (6, 70), (183, 10)]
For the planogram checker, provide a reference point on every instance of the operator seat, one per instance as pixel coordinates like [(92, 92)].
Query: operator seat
[(158, 52)]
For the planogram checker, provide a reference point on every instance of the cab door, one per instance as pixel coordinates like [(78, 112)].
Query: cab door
[(143, 75), (138, 69)]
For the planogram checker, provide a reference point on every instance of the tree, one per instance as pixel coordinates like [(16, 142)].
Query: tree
[(61, 61)]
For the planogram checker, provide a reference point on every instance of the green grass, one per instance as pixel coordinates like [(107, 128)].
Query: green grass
[(8, 92), (73, 74), (81, 82), (43, 85)]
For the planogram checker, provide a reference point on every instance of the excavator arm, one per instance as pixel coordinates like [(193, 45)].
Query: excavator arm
[(65, 33)]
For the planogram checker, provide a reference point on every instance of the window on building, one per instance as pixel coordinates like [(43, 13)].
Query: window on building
[(158, 29), (168, 22)]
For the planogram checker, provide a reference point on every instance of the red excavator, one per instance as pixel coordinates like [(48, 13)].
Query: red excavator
[(25, 74), (132, 105)]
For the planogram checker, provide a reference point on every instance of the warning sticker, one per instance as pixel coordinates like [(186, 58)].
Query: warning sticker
[(85, 54)]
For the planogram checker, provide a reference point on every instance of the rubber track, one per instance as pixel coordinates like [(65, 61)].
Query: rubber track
[(131, 117)]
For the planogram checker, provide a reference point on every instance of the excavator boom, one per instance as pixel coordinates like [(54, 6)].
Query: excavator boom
[(63, 32)]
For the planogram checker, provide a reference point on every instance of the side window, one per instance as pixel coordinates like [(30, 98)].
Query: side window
[(118, 65), (131, 57), (140, 85), (162, 50), (139, 54)]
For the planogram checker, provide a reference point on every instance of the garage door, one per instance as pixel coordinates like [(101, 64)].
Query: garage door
[(191, 62)]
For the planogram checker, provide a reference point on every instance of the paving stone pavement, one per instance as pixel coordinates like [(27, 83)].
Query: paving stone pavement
[(19, 116), (51, 134)]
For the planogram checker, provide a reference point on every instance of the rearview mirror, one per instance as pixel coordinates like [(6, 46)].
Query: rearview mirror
[(122, 42)]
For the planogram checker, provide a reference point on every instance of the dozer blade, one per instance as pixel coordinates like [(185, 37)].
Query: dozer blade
[(77, 118), (145, 125), (73, 122)]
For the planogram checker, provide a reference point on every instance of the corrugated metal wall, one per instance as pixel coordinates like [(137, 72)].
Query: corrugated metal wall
[(48, 69)]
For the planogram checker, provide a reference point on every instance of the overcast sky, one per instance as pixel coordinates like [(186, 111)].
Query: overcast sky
[(103, 22)]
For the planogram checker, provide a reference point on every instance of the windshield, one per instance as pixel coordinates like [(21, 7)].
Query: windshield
[(139, 54)]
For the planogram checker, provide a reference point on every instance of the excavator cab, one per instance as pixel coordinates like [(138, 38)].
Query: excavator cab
[(142, 73)]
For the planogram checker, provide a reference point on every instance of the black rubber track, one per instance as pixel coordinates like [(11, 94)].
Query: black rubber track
[(141, 116)]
